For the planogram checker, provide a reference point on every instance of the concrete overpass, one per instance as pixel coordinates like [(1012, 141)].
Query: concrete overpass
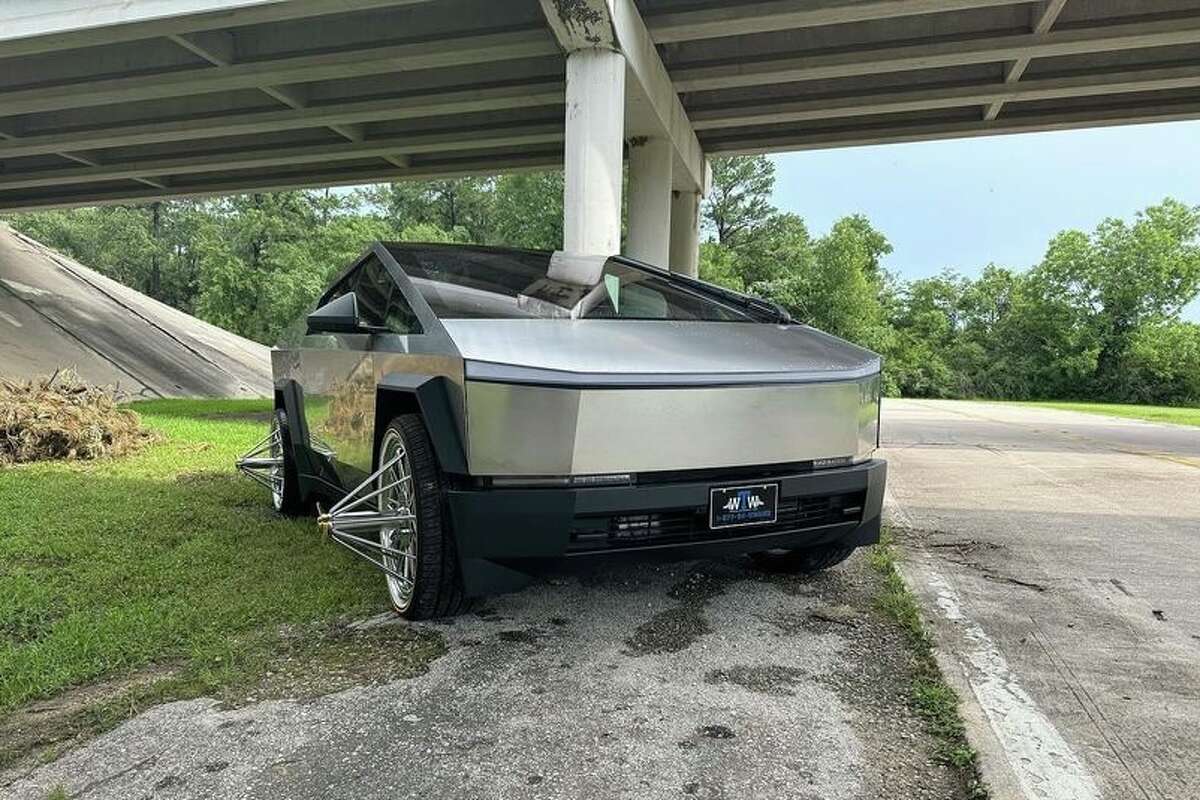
[(125, 100)]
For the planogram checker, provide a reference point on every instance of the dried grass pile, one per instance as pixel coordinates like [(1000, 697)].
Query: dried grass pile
[(61, 417)]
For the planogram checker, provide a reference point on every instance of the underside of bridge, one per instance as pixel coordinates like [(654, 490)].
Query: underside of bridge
[(115, 100)]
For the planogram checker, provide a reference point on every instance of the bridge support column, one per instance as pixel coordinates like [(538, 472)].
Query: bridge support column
[(685, 232), (650, 167), (595, 131)]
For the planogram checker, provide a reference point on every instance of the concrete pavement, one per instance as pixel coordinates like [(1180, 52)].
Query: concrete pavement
[(706, 680), (1058, 555)]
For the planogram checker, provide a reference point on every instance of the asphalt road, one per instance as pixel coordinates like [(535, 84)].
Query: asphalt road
[(701, 680), (1059, 555)]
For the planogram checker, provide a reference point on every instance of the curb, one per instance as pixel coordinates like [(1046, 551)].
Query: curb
[(994, 768)]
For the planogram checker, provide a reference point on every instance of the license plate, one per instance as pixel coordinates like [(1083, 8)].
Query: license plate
[(739, 506)]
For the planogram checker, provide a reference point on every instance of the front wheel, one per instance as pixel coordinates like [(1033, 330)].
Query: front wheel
[(423, 578), (804, 561)]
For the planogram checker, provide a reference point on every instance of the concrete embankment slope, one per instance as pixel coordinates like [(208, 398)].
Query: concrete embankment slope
[(56, 313)]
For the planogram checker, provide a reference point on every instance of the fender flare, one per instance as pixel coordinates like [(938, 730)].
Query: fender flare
[(290, 398), (429, 396), (292, 402)]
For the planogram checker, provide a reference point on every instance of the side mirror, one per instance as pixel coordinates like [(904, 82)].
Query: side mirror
[(338, 316)]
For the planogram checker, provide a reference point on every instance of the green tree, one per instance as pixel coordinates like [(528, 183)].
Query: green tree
[(265, 257), (1098, 318), (1164, 364), (928, 328), (1122, 277), (116, 241), (836, 283), (717, 265), (462, 206), (528, 211), (739, 201)]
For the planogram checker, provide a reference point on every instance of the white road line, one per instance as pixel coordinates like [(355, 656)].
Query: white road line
[(1045, 765)]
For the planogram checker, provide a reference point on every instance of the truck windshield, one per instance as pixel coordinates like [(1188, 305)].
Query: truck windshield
[(484, 283)]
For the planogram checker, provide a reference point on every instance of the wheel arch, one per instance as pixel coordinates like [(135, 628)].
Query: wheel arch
[(428, 396)]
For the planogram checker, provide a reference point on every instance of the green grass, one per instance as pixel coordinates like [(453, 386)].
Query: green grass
[(1173, 414), (166, 558), (934, 701)]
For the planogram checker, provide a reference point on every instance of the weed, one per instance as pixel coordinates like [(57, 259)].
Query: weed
[(934, 701)]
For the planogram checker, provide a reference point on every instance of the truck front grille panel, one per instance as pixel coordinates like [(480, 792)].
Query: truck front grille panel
[(682, 526)]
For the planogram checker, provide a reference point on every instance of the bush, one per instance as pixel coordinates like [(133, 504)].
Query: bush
[(1163, 367), (61, 417)]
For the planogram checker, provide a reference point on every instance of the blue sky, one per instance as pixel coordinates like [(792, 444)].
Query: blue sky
[(964, 204)]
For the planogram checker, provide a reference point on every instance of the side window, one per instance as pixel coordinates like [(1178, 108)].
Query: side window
[(380, 302), (374, 289), (400, 316)]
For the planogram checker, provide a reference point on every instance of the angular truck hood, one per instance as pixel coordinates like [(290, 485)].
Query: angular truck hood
[(654, 352)]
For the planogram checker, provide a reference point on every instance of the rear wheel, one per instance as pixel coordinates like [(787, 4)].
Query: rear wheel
[(804, 561), (423, 578), (285, 483)]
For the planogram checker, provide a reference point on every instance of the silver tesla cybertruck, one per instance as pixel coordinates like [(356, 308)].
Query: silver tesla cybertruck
[(459, 415)]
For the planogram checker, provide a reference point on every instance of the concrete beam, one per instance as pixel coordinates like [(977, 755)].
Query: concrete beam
[(433, 54), (649, 204), (685, 233), (858, 62), (737, 19), (541, 94), (899, 101), (285, 156), (653, 107), (305, 179), (581, 24), (42, 26), (77, 158), (89, 162), (791, 141), (221, 51), (1045, 15)]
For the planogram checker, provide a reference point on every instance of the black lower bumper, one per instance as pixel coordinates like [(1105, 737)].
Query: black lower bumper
[(503, 534)]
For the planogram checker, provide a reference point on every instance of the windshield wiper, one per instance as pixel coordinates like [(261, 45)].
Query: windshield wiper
[(770, 306), (773, 310)]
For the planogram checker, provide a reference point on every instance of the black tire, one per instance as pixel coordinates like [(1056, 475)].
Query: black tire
[(289, 502), (804, 561), (437, 588)]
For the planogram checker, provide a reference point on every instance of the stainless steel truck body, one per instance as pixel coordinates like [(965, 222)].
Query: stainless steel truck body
[(499, 408)]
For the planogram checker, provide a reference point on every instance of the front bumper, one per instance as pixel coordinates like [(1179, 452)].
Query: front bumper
[(503, 534)]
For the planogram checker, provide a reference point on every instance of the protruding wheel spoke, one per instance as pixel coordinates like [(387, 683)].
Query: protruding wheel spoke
[(372, 495), (388, 549), (350, 499), (264, 463), (377, 520)]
